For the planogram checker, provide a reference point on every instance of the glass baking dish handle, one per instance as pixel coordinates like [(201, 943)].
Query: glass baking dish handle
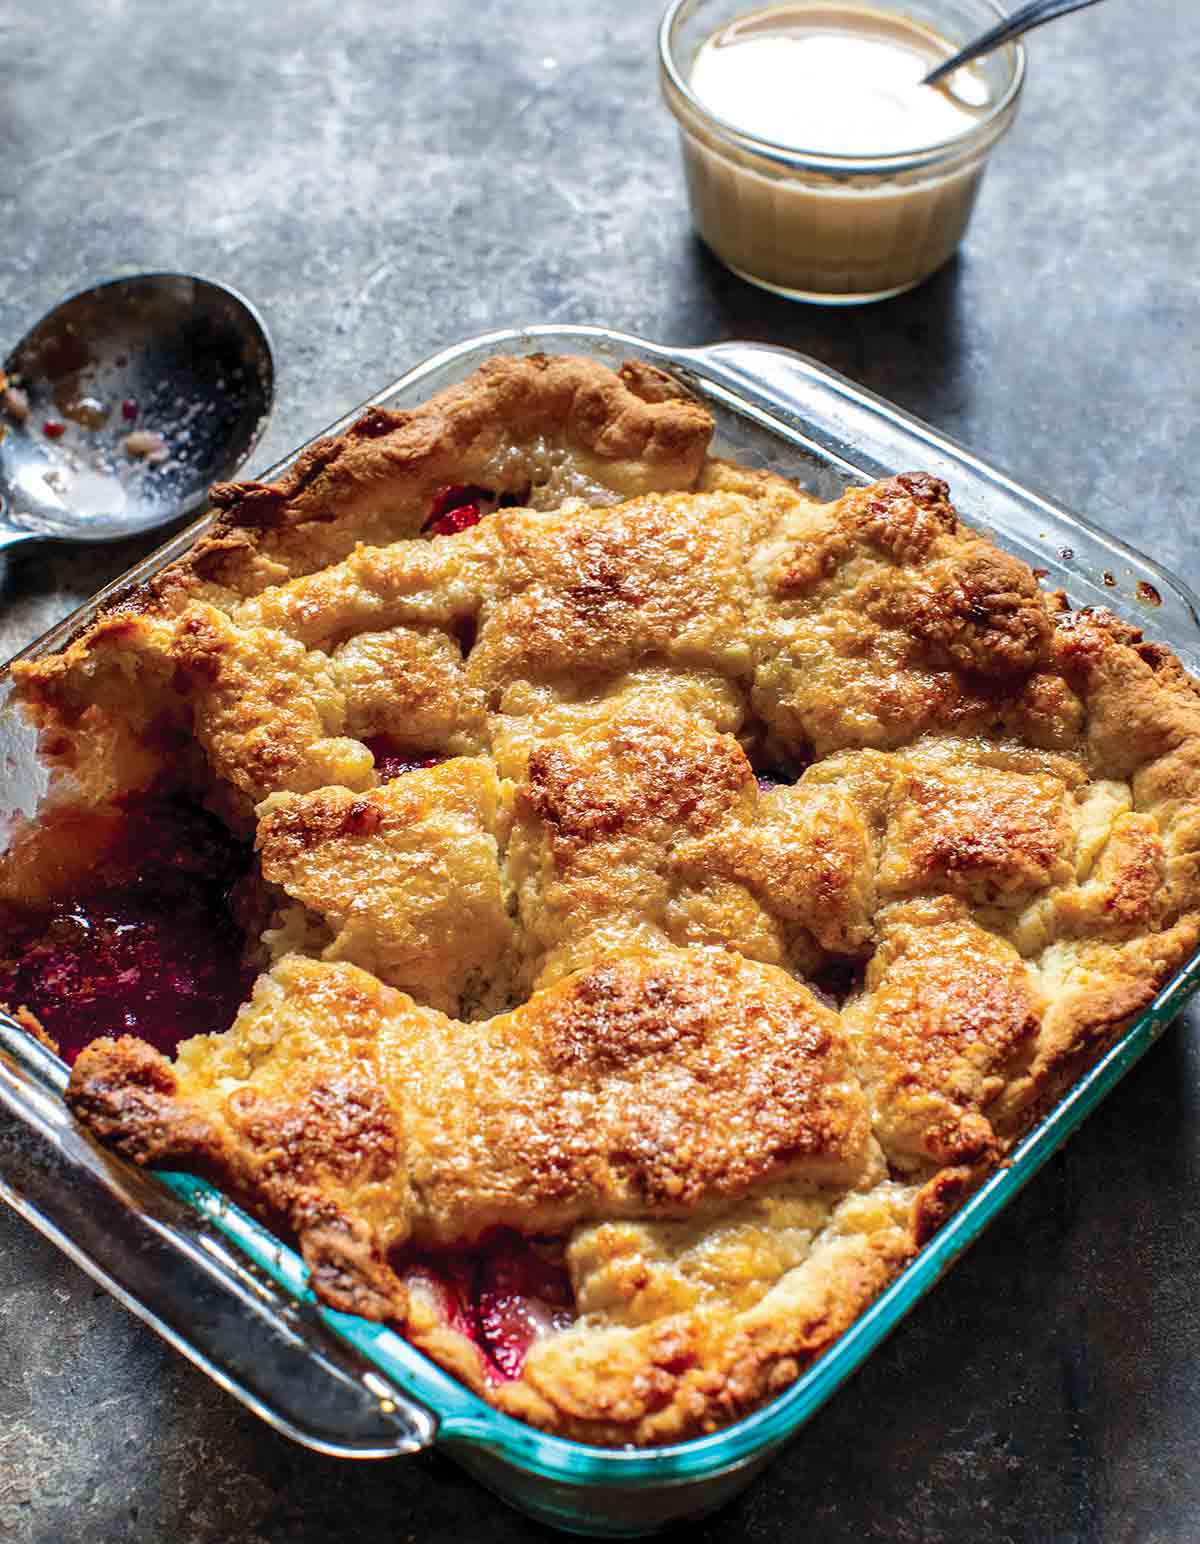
[(174, 1270), (870, 437)]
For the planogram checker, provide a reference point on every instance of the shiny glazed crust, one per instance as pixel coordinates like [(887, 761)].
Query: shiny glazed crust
[(743, 1041)]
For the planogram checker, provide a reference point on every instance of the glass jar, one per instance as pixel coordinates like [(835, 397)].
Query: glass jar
[(834, 229)]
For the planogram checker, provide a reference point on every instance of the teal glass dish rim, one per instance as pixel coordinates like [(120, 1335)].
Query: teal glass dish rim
[(768, 389)]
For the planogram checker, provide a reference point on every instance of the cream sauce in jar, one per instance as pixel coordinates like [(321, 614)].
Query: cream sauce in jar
[(834, 80), (854, 181)]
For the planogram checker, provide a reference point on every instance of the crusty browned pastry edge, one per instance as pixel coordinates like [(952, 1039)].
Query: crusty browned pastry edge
[(638, 415), (634, 430)]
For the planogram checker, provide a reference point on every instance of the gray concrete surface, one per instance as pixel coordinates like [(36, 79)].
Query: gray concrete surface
[(386, 180)]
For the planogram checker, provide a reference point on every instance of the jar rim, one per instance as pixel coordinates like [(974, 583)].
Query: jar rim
[(824, 161)]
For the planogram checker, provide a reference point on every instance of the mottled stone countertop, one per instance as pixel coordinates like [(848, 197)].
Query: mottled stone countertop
[(385, 180)]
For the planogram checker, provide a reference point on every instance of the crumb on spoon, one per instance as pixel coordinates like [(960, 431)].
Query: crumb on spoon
[(15, 401), (147, 444)]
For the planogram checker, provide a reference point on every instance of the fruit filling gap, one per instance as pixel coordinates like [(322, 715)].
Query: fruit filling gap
[(502, 1295), (151, 948)]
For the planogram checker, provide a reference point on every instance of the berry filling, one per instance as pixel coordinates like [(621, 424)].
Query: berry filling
[(779, 771), (152, 950), (393, 760), (837, 981), (502, 1296), (458, 506), (461, 518)]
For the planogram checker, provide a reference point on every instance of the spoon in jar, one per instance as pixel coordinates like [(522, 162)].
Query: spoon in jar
[(122, 405), (1024, 19)]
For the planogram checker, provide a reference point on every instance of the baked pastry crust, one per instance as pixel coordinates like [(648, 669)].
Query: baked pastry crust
[(784, 861)]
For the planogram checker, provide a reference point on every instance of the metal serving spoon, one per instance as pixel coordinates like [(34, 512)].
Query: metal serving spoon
[(1024, 19), (125, 403)]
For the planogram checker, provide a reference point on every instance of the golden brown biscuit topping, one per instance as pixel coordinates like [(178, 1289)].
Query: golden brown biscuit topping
[(703, 885)]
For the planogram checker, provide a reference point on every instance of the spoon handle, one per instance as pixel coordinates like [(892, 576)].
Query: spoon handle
[(1023, 19)]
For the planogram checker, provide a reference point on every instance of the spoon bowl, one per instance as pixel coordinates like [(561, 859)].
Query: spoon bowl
[(124, 403)]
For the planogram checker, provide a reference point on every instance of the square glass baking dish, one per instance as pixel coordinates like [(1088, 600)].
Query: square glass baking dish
[(225, 1293)]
